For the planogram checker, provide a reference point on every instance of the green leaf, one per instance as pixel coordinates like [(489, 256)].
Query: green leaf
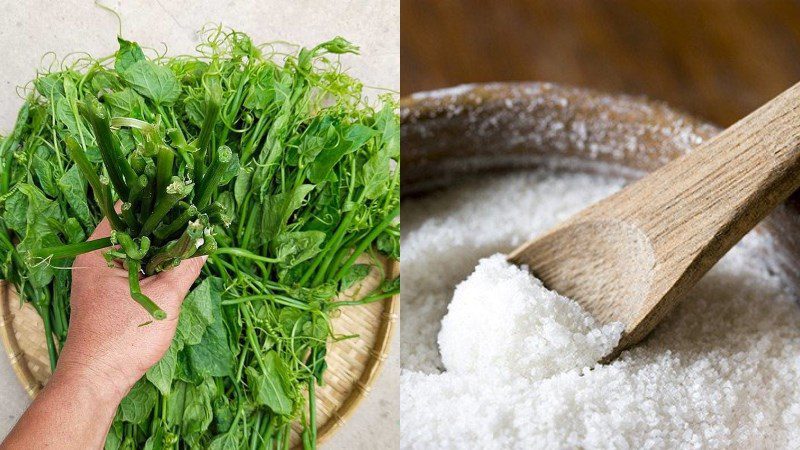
[(356, 136), (125, 103), (39, 213), (224, 413), (339, 45), (156, 440), (389, 244), (292, 248), (104, 80), (359, 134), (196, 313), (138, 404), (39, 274), (388, 121), (197, 413), (65, 116), (390, 285), (242, 185), (194, 109), (376, 175), (128, 54), (271, 388), (44, 170), (311, 146), (261, 92), (176, 404), (114, 436), (356, 273), (227, 441), (162, 373), (295, 322), (74, 231), (278, 209), (73, 186), (15, 214), (153, 81), (49, 86), (288, 319), (212, 356)]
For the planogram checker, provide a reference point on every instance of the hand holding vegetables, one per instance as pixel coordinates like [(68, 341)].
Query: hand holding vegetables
[(106, 335), (155, 229), (106, 352)]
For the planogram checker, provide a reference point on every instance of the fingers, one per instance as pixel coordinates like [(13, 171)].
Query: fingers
[(177, 281)]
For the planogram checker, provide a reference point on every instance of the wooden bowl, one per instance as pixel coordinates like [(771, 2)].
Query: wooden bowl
[(353, 364), (474, 130)]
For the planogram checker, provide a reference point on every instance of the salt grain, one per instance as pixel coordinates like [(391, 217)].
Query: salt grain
[(722, 371), (503, 322)]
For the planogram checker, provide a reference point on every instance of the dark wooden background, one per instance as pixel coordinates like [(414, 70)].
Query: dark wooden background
[(718, 59)]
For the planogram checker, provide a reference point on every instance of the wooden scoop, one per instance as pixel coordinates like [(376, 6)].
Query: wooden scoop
[(632, 256)]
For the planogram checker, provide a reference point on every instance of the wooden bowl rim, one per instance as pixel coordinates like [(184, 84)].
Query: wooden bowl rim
[(432, 121)]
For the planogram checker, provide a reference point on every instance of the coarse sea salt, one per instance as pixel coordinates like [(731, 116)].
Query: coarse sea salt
[(722, 371), (503, 322)]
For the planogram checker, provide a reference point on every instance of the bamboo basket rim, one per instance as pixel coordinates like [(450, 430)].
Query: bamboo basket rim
[(339, 416)]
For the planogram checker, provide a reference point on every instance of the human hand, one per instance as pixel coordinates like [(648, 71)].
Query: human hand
[(107, 342)]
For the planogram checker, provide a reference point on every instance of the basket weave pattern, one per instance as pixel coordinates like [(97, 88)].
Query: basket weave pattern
[(353, 364)]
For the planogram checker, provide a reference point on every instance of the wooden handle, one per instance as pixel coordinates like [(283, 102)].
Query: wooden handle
[(632, 256), (694, 209), (722, 189)]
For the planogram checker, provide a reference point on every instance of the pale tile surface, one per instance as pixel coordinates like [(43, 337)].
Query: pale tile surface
[(30, 28)]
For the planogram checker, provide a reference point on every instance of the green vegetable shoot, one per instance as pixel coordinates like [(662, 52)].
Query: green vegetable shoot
[(271, 163)]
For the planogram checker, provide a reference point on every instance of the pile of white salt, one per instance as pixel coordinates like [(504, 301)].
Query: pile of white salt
[(514, 366), (503, 322)]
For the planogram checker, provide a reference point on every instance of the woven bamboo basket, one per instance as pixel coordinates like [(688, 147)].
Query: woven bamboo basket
[(353, 364)]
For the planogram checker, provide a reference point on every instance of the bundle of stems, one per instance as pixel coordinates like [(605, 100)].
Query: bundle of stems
[(164, 218)]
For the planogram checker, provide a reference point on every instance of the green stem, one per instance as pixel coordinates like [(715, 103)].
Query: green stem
[(44, 312), (134, 267), (101, 193), (312, 411), (130, 218), (148, 195), (321, 259), (242, 253), (366, 300), (251, 336), (367, 242), (213, 102), (268, 433), (207, 186), (115, 162), (280, 299), (165, 231), (287, 432), (175, 192), (256, 427), (180, 249), (72, 250), (164, 163)]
